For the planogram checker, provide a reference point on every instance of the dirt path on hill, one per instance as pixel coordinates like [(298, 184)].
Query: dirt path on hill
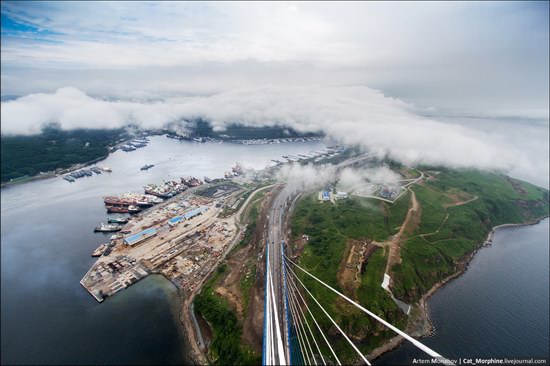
[(412, 220)]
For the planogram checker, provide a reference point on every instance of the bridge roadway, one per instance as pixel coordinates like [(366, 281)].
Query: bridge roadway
[(275, 236)]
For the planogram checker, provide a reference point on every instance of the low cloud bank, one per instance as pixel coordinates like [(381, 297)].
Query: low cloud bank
[(309, 177), (350, 178), (351, 115)]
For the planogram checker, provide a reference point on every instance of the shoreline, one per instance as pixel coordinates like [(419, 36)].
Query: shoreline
[(55, 173), (420, 325)]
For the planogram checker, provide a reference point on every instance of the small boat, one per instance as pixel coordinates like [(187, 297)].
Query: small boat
[(95, 170), (100, 250), (105, 168), (207, 180), (118, 220), (147, 166), (69, 178), (107, 228), (133, 209)]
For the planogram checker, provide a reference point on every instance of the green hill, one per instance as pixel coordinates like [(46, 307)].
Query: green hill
[(457, 210)]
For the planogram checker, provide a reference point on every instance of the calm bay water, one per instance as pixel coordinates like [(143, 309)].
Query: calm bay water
[(498, 308), (46, 241)]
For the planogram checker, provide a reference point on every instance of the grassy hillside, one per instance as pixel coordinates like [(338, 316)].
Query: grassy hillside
[(434, 250), (227, 347), (52, 149), (457, 211), (330, 227)]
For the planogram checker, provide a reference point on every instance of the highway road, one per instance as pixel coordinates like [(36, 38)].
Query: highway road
[(275, 236)]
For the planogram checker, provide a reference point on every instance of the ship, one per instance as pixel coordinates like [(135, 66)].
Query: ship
[(78, 174), (118, 220), (69, 178), (117, 209), (167, 189), (127, 148), (107, 228), (100, 250), (133, 209), (122, 202), (191, 182), (147, 166), (144, 203), (95, 170), (207, 180), (106, 169)]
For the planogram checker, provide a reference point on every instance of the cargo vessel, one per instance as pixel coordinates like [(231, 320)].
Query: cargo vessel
[(191, 182), (123, 202), (167, 189), (118, 220), (107, 228)]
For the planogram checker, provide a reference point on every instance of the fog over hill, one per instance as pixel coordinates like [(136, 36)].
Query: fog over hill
[(351, 115)]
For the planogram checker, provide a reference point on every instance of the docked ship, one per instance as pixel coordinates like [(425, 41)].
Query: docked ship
[(127, 148), (107, 228), (118, 220), (207, 180), (191, 182), (95, 170), (117, 209), (123, 202), (69, 178), (167, 189)]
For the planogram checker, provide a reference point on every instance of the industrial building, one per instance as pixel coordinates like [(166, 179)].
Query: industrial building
[(139, 237)]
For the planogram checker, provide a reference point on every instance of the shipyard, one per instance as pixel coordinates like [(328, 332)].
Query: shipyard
[(180, 228), (182, 238)]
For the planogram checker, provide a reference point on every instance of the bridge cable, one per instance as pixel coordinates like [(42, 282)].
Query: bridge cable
[(316, 323), (327, 314), (280, 348), (301, 341), (308, 327), (295, 307), (401, 333)]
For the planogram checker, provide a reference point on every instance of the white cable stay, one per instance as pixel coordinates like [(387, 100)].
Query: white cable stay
[(313, 361), (296, 304), (299, 337), (285, 302), (401, 333), (280, 347), (328, 315), (268, 338), (293, 285)]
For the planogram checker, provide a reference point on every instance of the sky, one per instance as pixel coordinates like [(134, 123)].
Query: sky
[(354, 70)]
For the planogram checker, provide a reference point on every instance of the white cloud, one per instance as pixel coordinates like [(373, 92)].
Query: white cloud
[(306, 177), (351, 115), (485, 56)]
